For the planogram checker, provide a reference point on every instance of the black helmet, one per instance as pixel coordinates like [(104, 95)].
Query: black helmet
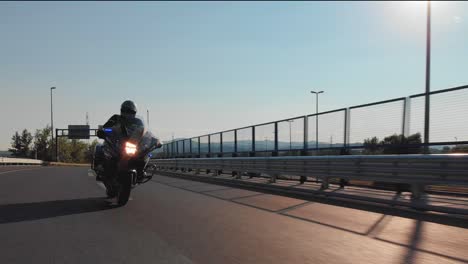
[(128, 107)]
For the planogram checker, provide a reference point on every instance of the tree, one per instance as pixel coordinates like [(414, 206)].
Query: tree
[(42, 143), (15, 144), (394, 144), (414, 142), (446, 150), (26, 139), (90, 151), (78, 151), (459, 149), (20, 145), (371, 146), (75, 151), (64, 150)]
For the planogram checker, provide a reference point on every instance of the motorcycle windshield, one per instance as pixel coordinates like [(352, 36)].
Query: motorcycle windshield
[(148, 143), (135, 129), (130, 128)]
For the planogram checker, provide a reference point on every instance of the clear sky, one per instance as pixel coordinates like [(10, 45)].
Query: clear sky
[(201, 67)]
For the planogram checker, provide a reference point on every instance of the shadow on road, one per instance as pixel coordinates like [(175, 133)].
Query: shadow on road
[(11, 213), (412, 248)]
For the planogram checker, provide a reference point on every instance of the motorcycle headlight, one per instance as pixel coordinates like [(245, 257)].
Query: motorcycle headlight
[(130, 148)]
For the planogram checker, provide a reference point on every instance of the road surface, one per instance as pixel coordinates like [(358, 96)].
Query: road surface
[(58, 215)]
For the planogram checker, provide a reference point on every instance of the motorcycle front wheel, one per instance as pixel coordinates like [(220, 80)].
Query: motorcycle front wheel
[(124, 188)]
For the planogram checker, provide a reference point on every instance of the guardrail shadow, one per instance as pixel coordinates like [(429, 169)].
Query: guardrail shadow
[(412, 247), (12, 213)]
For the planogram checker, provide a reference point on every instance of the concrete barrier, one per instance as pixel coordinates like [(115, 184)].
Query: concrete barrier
[(19, 161)]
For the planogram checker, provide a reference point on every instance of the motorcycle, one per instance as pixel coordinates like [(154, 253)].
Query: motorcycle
[(122, 162)]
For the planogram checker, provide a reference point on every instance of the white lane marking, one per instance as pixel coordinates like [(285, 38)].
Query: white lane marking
[(91, 173), (100, 184), (4, 172)]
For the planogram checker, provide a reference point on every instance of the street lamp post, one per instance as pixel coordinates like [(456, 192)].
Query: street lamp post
[(51, 116), (147, 117), (316, 117)]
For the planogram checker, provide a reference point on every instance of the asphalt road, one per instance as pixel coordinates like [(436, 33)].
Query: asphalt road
[(58, 215)]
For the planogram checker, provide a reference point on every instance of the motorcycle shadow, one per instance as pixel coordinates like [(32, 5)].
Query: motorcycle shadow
[(11, 213)]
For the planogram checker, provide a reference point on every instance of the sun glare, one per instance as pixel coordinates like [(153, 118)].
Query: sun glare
[(415, 6)]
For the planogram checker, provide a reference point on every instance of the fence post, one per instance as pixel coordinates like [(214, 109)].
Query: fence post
[(275, 153), (306, 136), (190, 145), (199, 147), (209, 145), (405, 129), (235, 144), (183, 147), (171, 150), (252, 154), (177, 148), (221, 142), (347, 125)]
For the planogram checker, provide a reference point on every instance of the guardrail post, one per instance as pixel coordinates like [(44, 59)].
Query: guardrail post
[(417, 191), (273, 177), (325, 183)]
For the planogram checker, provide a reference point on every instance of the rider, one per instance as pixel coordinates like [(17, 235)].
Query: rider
[(128, 110)]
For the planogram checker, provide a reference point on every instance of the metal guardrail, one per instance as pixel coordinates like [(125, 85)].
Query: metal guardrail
[(417, 171), (17, 161)]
